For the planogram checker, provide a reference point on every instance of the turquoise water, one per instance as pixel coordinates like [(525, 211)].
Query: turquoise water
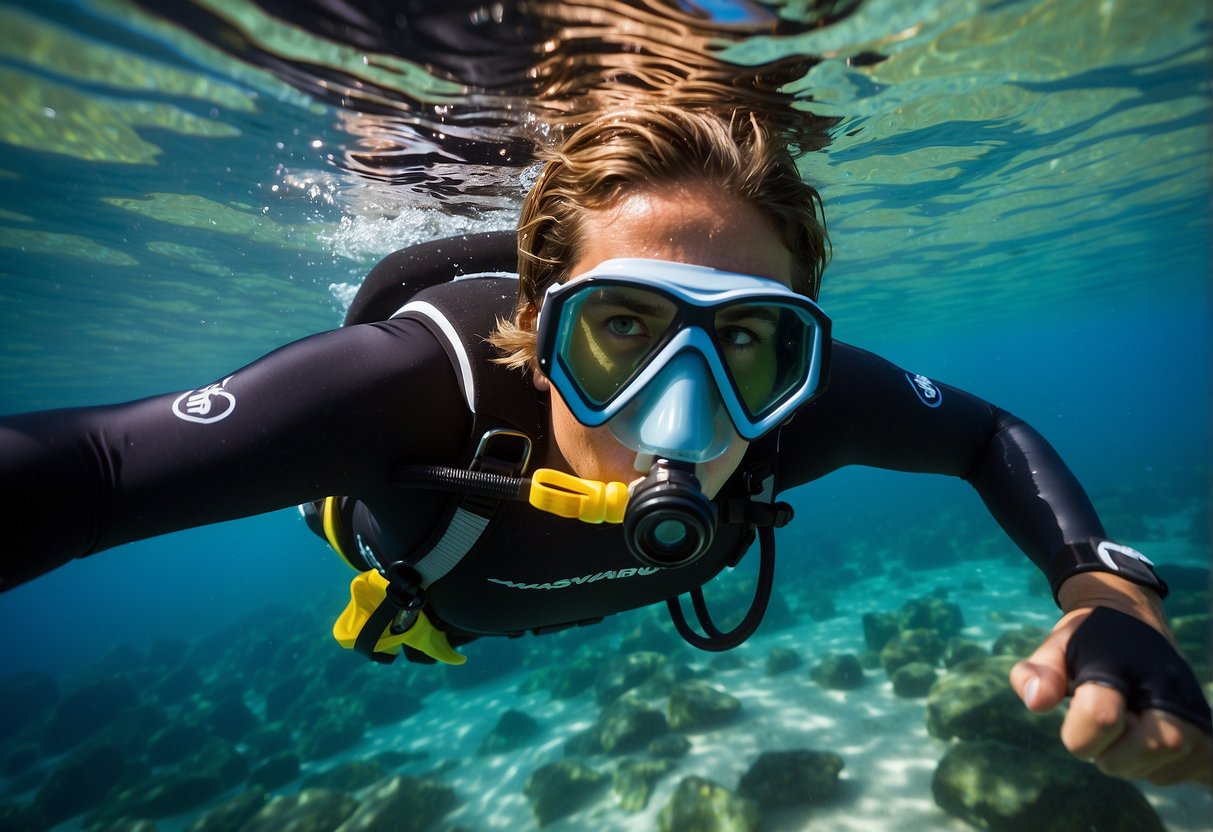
[(1018, 196)]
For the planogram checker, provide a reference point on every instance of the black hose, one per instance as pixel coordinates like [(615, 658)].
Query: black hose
[(461, 481), (717, 641)]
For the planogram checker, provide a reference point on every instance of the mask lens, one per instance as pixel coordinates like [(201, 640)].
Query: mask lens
[(610, 334), (768, 349)]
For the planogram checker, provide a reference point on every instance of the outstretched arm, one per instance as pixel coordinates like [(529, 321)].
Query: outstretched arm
[(330, 414), (1137, 710)]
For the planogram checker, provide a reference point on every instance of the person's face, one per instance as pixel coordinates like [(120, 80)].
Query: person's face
[(693, 224)]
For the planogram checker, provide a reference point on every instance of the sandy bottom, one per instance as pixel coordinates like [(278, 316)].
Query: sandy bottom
[(882, 738)]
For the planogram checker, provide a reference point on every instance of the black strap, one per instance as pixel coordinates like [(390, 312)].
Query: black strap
[(717, 641), (368, 637)]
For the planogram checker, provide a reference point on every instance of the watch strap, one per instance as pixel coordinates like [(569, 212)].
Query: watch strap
[(1097, 554)]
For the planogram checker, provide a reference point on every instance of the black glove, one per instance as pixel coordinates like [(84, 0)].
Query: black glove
[(1120, 651)]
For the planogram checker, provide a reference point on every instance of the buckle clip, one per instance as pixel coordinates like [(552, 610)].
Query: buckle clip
[(503, 451)]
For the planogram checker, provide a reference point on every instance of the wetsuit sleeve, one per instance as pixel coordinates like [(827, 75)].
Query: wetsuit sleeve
[(330, 414), (875, 413)]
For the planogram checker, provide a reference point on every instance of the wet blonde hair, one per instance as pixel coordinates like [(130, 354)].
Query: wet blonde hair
[(636, 148)]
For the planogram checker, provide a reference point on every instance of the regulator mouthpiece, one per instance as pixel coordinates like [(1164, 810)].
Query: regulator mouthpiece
[(669, 521)]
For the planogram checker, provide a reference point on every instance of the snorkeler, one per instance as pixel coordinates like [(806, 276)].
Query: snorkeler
[(606, 429)]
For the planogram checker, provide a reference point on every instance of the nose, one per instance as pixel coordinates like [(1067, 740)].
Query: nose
[(679, 415)]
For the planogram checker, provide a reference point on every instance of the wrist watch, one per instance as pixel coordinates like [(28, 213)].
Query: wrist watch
[(1097, 554)]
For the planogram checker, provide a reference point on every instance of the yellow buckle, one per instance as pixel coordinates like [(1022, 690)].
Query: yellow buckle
[(367, 592), (587, 500)]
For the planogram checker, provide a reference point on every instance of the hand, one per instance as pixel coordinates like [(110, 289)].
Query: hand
[(1154, 744)]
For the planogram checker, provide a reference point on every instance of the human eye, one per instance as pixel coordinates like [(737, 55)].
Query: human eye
[(738, 337), (624, 326)]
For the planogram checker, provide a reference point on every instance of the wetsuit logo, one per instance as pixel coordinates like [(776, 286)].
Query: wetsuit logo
[(928, 393), (565, 583), (206, 405)]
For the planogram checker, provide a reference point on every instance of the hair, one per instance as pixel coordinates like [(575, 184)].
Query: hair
[(642, 147)]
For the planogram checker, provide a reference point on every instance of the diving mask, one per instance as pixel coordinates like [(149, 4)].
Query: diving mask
[(674, 358)]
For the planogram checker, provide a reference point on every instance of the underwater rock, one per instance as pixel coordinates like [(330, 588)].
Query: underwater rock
[(284, 695), (838, 671), (671, 747), (121, 659), (400, 804), (26, 781), (161, 796), (699, 805), (820, 606), (651, 635), (344, 671), (353, 776), (393, 758), (269, 739), (337, 729), (662, 683), (124, 825), (22, 817), (81, 781), (696, 706), (781, 660), (177, 685), (131, 729), (935, 614), (974, 701), (730, 599), (176, 741), (1193, 635), (199, 778), (276, 771), (789, 778), (634, 779), (1005, 788), (913, 680), (1020, 642), (585, 744), (220, 759), (972, 585), (627, 725), (622, 673), (731, 660), (911, 646), (87, 711), (230, 718), (386, 703), (561, 788), (166, 654), (19, 760), (312, 810), (878, 628), (231, 815), (564, 681), (513, 729), (1189, 588), (23, 698), (960, 650)]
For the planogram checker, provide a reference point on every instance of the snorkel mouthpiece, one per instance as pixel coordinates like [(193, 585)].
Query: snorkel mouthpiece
[(669, 521)]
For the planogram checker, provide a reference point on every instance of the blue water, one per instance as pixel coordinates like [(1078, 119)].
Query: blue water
[(1032, 226)]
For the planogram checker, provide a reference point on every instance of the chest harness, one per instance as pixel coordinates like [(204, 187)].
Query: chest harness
[(387, 614)]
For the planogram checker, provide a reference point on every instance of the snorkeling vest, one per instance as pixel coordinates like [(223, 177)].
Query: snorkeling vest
[(457, 289)]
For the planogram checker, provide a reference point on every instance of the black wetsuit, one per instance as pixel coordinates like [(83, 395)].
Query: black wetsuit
[(338, 412)]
